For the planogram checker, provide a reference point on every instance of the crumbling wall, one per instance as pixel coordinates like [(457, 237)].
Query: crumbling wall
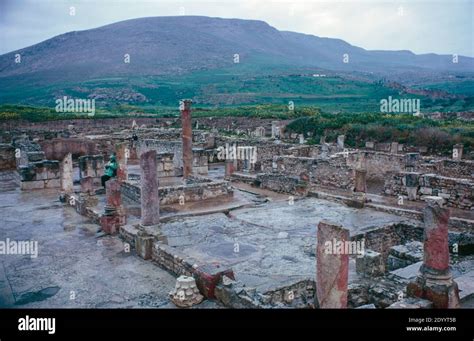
[(175, 194), (173, 147), (57, 149), (455, 168), (7, 157), (456, 192), (41, 174)]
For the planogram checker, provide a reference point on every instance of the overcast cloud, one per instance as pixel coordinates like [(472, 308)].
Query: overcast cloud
[(444, 27)]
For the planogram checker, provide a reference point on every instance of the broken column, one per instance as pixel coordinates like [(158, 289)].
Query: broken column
[(275, 130), (340, 141), (87, 197), (394, 148), (187, 134), (114, 215), (457, 151), (411, 183), (150, 203), (66, 174), (186, 294), (435, 281), (332, 269), (301, 136), (229, 168), (360, 180), (123, 153)]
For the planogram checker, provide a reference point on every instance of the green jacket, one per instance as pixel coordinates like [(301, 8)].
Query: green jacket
[(111, 168)]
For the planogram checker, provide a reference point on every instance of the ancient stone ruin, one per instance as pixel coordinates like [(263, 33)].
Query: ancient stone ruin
[(247, 215)]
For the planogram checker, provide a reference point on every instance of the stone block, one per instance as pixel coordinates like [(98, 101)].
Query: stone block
[(371, 264), (29, 185), (209, 276)]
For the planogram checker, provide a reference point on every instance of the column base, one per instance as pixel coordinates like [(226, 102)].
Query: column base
[(442, 291)]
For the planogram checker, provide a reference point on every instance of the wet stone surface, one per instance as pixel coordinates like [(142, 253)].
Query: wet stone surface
[(74, 268)]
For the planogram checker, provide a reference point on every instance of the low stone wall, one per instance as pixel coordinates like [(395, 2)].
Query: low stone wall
[(7, 157), (329, 172), (171, 194), (282, 183), (41, 174), (172, 147), (455, 168), (457, 192), (382, 239)]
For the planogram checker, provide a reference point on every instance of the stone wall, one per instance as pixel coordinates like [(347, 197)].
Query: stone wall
[(331, 172), (41, 174), (173, 147), (456, 192), (282, 183), (171, 194), (455, 168), (7, 157), (57, 149), (93, 166), (379, 164)]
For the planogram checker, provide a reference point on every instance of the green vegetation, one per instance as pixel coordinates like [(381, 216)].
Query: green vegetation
[(437, 136)]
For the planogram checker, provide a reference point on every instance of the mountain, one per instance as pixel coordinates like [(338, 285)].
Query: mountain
[(172, 47)]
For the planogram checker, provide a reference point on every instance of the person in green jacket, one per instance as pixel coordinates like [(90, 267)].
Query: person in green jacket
[(110, 170)]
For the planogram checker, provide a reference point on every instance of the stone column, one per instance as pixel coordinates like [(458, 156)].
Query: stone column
[(187, 134), (123, 152), (457, 151), (87, 185), (340, 141), (435, 281), (67, 174), (332, 269), (150, 201), (302, 141), (229, 168), (360, 180), (394, 148), (411, 183), (275, 130), (114, 215)]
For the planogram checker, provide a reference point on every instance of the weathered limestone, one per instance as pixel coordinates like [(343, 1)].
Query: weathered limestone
[(340, 141), (114, 215), (332, 268), (394, 148), (66, 174), (370, 264), (150, 201), (93, 166), (87, 185), (411, 182), (185, 293), (275, 130), (458, 151), (7, 157), (435, 281), (122, 151), (301, 137), (187, 138), (360, 180), (229, 168)]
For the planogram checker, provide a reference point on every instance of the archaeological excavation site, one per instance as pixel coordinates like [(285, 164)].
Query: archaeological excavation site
[(229, 213), (275, 164)]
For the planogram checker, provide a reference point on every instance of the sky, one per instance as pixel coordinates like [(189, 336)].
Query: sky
[(422, 26)]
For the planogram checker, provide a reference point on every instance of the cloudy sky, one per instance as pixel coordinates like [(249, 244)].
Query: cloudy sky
[(422, 26)]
